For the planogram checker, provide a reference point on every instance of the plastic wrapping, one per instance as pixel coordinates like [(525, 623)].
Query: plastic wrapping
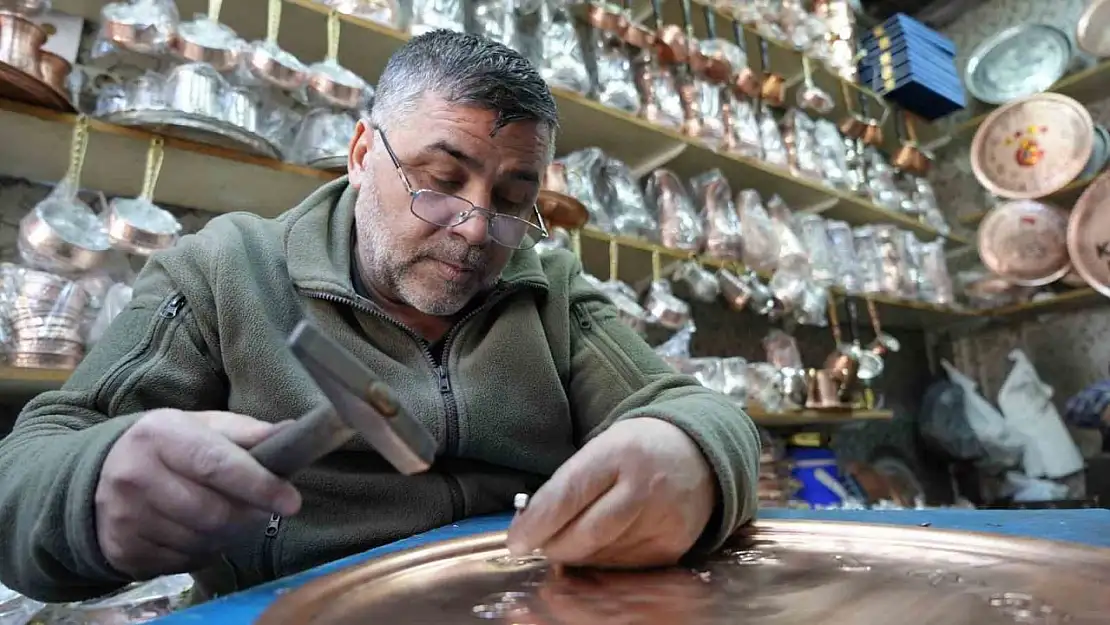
[(115, 300), (584, 181), (681, 226), (429, 15), (662, 104), (782, 350), (774, 149), (614, 75), (710, 106), (842, 250), (141, 26), (384, 12), (323, 133), (761, 244), (43, 315), (724, 236), (816, 239), (137, 603), (625, 201), (138, 226), (562, 63), (801, 145), (63, 234), (15, 609), (831, 155), (743, 128)]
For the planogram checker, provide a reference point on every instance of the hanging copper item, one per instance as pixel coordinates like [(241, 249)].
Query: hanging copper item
[(853, 124), (558, 208), (873, 134), (608, 18), (745, 82), (714, 67), (908, 155), (773, 88)]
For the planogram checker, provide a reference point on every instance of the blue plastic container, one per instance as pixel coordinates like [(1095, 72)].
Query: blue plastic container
[(807, 463)]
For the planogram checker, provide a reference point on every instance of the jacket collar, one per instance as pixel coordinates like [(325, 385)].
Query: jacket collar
[(318, 244)]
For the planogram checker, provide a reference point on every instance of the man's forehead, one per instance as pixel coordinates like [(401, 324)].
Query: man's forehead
[(438, 120)]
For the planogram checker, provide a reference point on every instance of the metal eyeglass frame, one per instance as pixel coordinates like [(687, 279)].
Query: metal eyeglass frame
[(465, 216)]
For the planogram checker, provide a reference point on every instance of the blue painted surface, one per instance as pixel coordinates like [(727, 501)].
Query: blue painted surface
[(1081, 526)]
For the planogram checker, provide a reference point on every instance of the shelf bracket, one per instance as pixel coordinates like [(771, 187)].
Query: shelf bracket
[(822, 206), (654, 161)]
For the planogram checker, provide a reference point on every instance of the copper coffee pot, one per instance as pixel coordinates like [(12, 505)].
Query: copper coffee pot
[(773, 90), (745, 82), (908, 155), (873, 133), (671, 46), (853, 124), (713, 67)]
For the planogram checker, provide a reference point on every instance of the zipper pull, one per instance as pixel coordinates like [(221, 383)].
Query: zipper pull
[(273, 526), (583, 319), (172, 307), (444, 381)]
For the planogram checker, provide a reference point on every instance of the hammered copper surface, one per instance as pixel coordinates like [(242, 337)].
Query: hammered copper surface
[(1033, 147), (1089, 235), (782, 573), (21, 87), (1025, 242)]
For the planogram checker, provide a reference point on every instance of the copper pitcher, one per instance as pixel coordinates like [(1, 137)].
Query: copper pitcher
[(21, 42)]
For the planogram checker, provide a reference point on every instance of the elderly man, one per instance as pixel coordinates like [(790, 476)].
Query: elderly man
[(419, 263)]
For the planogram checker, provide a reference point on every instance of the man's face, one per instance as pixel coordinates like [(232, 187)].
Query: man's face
[(449, 149)]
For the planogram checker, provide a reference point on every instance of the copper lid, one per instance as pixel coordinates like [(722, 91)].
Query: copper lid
[(777, 573), (1025, 242), (1089, 234), (1032, 147), (560, 210)]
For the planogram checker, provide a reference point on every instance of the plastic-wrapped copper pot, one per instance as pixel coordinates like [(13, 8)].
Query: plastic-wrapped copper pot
[(336, 85), (55, 71), (21, 42), (281, 69), (207, 41), (607, 18)]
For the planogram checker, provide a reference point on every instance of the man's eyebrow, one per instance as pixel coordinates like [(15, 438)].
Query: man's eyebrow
[(472, 162)]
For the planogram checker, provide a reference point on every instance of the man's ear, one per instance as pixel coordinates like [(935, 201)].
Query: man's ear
[(362, 143)]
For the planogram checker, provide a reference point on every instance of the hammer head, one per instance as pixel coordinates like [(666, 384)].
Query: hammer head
[(363, 401)]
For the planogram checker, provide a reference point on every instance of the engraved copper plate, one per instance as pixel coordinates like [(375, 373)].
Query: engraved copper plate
[(782, 573), (1032, 147), (1089, 235), (1025, 242)]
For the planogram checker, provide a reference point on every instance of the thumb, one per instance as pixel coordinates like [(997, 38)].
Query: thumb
[(240, 429)]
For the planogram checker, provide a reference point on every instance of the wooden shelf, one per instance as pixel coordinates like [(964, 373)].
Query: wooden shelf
[(1064, 198), (365, 46), (1066, 301), (1085, 86), (818, 417), (21, 383)]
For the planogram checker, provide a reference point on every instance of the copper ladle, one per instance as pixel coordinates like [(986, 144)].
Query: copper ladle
[(745, 82), (773, 90)]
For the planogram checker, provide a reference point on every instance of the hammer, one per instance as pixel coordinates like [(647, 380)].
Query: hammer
[(359, 402)]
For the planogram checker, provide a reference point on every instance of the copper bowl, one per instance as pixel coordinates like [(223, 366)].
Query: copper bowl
[(21, 42), (55, 71)]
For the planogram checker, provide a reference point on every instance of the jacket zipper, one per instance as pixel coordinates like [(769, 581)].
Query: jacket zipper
[(604, 345), (169, 310), (446, 391)]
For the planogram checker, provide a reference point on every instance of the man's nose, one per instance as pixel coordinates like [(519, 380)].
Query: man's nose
[(475, 229)]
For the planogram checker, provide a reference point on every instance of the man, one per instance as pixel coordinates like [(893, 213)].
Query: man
[(420, 264)]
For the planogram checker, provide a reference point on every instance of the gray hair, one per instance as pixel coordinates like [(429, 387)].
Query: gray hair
[(464, 69)]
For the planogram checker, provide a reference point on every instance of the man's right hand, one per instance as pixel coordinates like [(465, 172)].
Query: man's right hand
[(177, 486)]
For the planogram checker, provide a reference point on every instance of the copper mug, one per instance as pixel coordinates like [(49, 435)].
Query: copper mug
[(773, 89), (21, 42)]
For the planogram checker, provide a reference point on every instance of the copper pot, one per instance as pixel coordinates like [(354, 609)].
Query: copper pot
[(671, 45), (907, 157), (608, 19), (55, 71), (747, 83), (21, 42), (773, 89)]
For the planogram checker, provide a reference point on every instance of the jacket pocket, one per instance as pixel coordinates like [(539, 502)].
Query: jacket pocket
[(594, 330), (144, 355)]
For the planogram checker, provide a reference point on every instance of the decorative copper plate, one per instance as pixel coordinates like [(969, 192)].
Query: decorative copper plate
[(1089, 234), (560, 210), (782, 573), (1025, 242), (1032, 147), (18, 86)]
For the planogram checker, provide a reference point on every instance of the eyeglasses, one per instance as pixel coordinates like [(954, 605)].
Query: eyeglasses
[(448, 211)]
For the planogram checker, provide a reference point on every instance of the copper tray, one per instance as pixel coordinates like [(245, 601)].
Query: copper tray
[(1025, 242), (1089, 235), (782, 572), (1032, 147), (18, 86)]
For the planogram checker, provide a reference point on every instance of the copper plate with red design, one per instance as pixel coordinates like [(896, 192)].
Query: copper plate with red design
[(1089, 235), (778, 573), (1025, 242), (1032, 147)]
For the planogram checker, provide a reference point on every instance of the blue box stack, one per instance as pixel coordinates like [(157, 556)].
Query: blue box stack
[(912, 65)]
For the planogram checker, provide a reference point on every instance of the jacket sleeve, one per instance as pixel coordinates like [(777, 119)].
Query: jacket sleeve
[(615, 375), (151, 356)]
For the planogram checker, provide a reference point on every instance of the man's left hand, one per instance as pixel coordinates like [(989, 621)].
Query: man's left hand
[(639, 494)]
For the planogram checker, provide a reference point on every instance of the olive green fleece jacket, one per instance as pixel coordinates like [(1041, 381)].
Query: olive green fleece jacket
[(541, 366)]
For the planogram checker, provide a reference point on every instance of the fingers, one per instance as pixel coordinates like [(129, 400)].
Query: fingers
[(179, 499), (601, 525), (210, 458), (242, 430), (143, 559), (575, 486)]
